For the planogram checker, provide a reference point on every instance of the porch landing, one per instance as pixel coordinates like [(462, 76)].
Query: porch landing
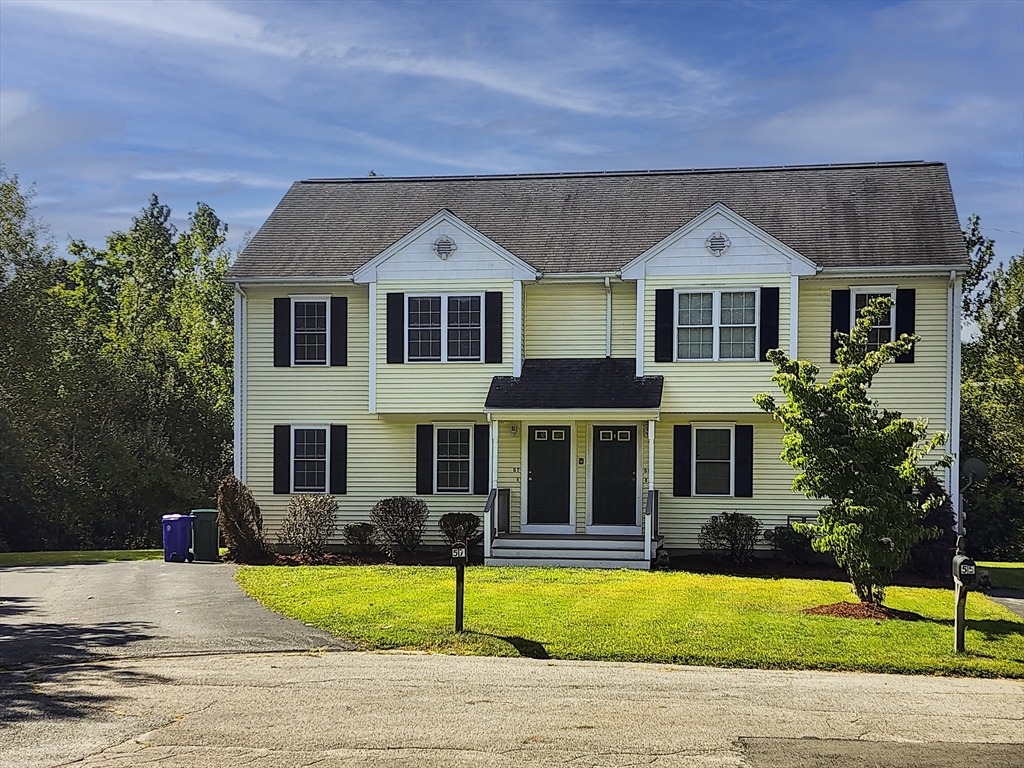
[(571, 551)]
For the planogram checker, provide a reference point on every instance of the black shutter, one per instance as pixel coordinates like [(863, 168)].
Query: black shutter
[(770, 322), (840, 317), (282, 457), (339, 459), (339, 330), (681, 460), (906, 299), (492, 327), (396, 328), (282, 333), (481, 459), (744, 477), (664, 298), (424, 458)]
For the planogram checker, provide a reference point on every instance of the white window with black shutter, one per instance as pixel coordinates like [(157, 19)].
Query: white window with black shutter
[(713, 459), (712, 324), (452, 458), (444, 328), (311, 458), (847, 304), (310, 331)]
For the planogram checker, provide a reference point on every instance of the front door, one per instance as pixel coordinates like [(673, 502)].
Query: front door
[(548, 465), (614, 476)]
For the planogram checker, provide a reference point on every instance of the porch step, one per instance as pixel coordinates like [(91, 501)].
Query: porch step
[(563, 562), (569, 551)]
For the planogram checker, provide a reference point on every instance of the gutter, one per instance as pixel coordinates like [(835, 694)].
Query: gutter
[(290, 280)]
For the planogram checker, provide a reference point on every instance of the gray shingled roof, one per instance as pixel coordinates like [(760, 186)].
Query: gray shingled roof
[(839, 215), (575, 382)]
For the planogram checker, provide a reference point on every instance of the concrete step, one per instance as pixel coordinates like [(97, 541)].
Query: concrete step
[(550, 552), (563, 562), (526, 541)]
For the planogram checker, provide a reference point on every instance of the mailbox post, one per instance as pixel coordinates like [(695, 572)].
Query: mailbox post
[(964, 574), (459, 553)]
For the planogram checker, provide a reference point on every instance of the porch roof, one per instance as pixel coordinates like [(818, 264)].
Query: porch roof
[(574, 384)]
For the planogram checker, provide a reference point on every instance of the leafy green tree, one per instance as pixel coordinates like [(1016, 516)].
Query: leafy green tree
[(992, 398), (864, 459)]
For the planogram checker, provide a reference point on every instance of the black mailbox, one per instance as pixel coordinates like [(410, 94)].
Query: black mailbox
[(964, 570), (459, 553)]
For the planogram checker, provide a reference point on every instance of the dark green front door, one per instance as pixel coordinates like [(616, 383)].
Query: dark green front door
[(548, 465), (614, 476)]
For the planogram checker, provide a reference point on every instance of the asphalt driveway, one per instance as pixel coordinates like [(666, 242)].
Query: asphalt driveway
[(75, 613)]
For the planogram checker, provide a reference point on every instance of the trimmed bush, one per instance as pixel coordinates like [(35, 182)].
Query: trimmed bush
[(933, 555), (398, 524), (793, 547), (732, 534), (241, 523), (359, 536), (458, 526), (311, 522)]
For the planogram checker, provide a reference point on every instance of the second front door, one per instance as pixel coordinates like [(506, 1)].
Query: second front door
[(547, 477), (614, 477)]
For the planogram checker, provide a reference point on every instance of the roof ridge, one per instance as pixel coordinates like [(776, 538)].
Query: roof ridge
[(605, 174)]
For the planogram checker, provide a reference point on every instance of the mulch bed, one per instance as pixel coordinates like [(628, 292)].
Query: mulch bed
[(863, 611)]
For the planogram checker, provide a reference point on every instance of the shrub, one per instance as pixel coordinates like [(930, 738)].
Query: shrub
[(241, 523), (793, 547), (310, 524), (932, 556), (398, 524), (359, 536), (458, 526), (733, 533)]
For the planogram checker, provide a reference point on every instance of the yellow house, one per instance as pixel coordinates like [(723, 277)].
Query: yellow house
[(573, 356)]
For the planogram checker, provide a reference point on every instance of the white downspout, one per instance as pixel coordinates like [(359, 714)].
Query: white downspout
[(954, 430), (517, 328), (794, 315), (372, 399), (608, 317), (639, 327), (241, 385)]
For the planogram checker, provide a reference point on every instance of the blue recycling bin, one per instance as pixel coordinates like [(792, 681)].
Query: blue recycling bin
[(177, 538)]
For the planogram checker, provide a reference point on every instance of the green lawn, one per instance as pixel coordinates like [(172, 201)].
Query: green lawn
[(675, 617), (85, 556), (1005, 575)]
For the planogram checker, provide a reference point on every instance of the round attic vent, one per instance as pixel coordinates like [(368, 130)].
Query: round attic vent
[(717, 243), (444, 247)]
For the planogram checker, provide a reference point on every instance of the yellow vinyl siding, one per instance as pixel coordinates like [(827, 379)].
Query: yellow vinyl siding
[(623, 319), (707, 386), (439, 387), (381, 454), (510, 458), (680, 518), (564, 319), (918, 389)]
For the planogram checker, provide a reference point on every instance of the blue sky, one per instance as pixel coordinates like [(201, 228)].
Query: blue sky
[(103, 103)]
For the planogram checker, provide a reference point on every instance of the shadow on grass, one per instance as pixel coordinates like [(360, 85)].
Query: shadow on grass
[(529, 649)]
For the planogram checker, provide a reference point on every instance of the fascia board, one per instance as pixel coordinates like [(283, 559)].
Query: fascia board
[(368, 272), (897, 269), (801, 265), (290, 280)]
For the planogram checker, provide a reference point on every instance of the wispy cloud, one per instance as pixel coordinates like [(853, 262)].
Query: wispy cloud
[(201, 176)]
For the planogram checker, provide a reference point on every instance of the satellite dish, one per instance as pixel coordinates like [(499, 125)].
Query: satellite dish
[(974, 469)]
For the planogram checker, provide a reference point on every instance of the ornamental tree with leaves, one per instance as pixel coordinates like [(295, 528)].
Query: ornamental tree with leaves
[(864, 459)]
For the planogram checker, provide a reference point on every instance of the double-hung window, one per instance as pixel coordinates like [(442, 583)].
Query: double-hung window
[(310, 323), (882, 331), (713, 461), (309, 459), (453, 451), (445, 328), (716, 325)]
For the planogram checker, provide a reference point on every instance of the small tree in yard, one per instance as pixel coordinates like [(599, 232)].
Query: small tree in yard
[(398, 524), (864, 459), (241, 523)]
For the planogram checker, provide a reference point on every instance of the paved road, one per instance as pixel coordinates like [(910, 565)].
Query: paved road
[(1010, 598), (93, 676), (74, 613), (361, 710)]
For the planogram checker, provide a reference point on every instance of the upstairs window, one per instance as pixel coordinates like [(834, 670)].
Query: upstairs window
[(882, 332), (310, 323), (444, 328), (716, 325)]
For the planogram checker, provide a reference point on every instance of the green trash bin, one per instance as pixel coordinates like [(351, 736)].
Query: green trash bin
[(205, 534)]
